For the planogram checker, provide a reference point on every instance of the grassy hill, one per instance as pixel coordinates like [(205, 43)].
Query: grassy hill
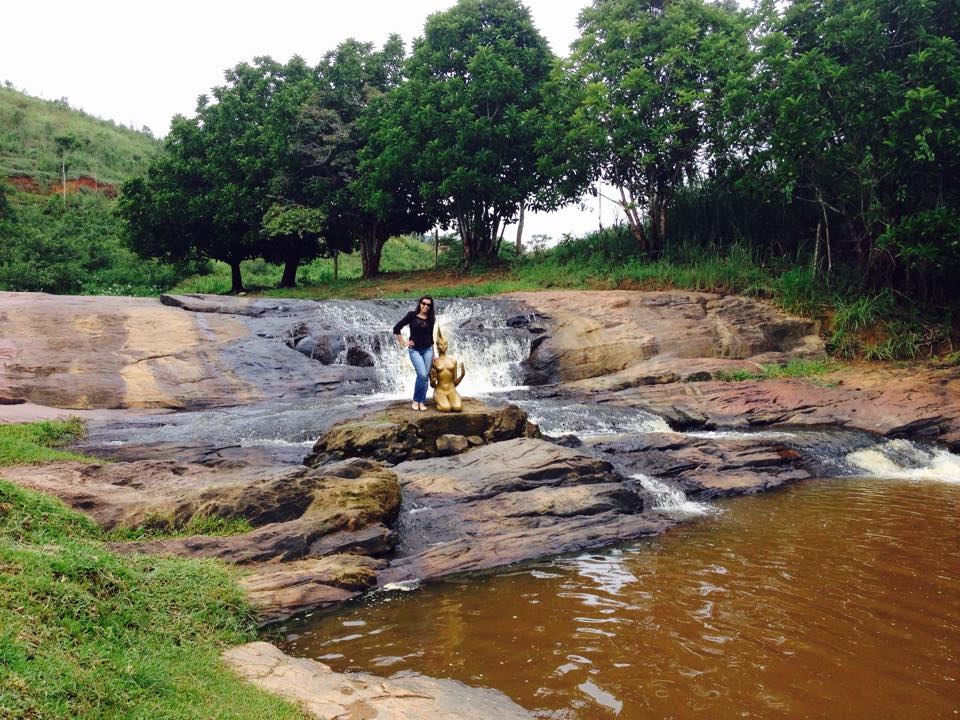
[(29, 126)]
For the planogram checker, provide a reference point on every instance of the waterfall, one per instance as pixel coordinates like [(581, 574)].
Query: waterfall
[(477, 332), (905, 460), (669, 498)]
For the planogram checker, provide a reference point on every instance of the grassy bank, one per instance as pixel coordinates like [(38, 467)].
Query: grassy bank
[(400, 255), (87, 633)]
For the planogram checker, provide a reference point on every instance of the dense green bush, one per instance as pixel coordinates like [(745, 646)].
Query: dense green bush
[(76, 246)]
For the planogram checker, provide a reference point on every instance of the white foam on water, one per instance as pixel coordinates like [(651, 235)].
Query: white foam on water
[(741, 435), (401, 586), (905, 460), (275, 442), (591, 421), (492, 356), (671, 500)]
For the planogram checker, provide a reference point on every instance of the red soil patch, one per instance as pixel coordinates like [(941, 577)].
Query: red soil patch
[(27, 184)]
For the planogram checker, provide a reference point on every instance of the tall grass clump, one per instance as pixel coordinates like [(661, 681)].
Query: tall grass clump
[(39, 442)]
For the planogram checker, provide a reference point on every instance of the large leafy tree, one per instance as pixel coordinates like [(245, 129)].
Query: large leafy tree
[(459, 136), (862, 119), (332, 130), (206, 195), (649, 82)]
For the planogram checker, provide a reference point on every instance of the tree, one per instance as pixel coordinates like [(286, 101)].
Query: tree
[(460, 134), (332, 131), (647, 78), (66, 144), (290, 229), (862, 111), (171, 212), (219, 173)]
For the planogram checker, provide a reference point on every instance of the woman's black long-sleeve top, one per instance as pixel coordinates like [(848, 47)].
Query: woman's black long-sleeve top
[(421, 331)]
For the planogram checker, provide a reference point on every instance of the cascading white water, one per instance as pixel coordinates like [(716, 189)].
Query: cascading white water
[(491, 356), (564, 417), (476, 330), (669, 499), (906, 460)]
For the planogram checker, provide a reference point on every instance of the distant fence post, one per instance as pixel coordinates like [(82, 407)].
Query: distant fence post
[(436, 248)]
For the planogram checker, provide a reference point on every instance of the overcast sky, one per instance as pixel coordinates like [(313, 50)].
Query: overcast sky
[(142, 63)]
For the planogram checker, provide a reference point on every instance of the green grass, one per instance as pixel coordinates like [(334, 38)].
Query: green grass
[(792, 369), (89, 634), (36, 443), (197, 525), (401, 254), (28, 125)]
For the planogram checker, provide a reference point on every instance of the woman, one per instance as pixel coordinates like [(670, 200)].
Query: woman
[(422, 322)]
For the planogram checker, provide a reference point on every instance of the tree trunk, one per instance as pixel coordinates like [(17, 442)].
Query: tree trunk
[(336, 264), (63, 176), (370, 249), (634, 221), (236, 281), (520, 230), (480, 236), (290, 267)]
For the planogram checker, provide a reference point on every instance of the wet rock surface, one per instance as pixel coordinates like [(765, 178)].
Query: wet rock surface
[(208, 405), (710, 467), (511, 501), (328, 695), (398, 433), (920, 405), (281, 590)]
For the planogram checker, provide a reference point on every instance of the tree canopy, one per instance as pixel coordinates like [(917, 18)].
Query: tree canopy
[(823, 129), (220, 171), (650, 79), (460, 134)]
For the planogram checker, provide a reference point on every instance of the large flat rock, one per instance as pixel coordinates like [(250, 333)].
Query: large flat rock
[(915, 403), (711, 467), (90, 352), (296, 512), (398, 433), (96, 352), (508, 502), (610, 339), (328, 695)]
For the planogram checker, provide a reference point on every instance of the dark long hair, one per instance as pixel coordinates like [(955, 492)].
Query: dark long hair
[(432, 312)]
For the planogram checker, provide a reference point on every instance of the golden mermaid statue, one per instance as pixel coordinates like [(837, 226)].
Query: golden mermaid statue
[(445, 374)]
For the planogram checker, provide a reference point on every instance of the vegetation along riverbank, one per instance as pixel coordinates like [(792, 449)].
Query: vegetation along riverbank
[(87, 633)]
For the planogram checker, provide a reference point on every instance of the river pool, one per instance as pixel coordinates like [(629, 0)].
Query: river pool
[(836, 598)]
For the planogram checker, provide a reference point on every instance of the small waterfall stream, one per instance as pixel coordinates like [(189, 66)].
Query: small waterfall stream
[(477, 330)]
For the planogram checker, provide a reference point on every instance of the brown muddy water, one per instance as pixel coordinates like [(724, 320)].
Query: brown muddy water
[(831, 599)]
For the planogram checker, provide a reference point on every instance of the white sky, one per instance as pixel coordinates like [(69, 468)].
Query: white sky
[(142, 63)]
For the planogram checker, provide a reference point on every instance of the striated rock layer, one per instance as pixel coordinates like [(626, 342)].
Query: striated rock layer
[(505, 503), (614, 339)]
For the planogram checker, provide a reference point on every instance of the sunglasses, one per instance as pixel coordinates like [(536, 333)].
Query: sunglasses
[(425, 304)]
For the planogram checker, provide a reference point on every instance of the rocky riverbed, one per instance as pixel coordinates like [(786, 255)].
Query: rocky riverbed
[(282, 414)]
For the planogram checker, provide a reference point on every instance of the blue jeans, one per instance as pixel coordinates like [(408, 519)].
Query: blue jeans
[(421, 360)]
